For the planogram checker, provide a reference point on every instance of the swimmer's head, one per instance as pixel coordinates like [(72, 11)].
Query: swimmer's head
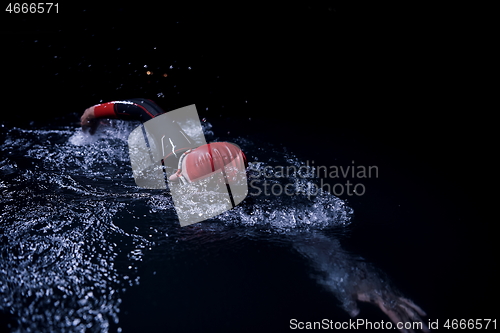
[(201, 162)]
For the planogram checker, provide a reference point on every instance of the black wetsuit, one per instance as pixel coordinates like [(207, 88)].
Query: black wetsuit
[(142, 109), (130, 109), (202, 160)]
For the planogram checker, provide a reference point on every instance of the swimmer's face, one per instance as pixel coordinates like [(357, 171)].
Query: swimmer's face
[(174, 178)]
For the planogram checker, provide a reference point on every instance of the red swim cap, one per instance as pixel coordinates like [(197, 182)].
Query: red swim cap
[(201, 162)]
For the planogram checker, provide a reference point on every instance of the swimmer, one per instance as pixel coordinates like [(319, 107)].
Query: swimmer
[(189, 164), (351, 279)]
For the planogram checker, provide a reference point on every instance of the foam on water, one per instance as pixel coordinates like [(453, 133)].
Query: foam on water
[(65, 253), (59, 242)]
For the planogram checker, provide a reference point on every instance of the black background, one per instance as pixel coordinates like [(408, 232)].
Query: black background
[(401, 87), (404, 78)]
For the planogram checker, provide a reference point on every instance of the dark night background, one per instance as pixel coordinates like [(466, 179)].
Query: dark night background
[(397, 87)]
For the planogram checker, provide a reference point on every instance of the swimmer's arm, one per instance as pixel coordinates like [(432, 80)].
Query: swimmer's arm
[(99, 111), (133, 109), (90, 117), (352, 279)]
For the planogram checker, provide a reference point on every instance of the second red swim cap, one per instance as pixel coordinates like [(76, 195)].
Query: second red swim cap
[(200, 162)]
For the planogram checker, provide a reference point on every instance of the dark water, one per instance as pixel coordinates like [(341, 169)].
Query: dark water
[(84, 249)]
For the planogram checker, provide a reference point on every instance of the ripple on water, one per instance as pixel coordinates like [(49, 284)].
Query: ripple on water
[(65, 243)]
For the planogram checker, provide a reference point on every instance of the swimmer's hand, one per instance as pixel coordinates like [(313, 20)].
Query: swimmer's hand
[(354, 280), (88, 121), (399, 309)]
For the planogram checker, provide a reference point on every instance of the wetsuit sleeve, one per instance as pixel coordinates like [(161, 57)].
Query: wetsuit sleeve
[(133, 109), (105, 110)]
